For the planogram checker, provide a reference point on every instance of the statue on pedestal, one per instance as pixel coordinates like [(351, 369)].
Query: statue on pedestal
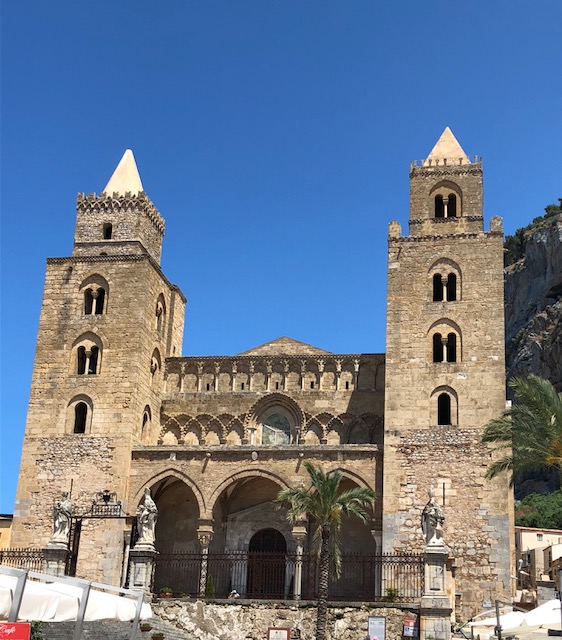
[(62, 518), (432, 520), (147, 514)]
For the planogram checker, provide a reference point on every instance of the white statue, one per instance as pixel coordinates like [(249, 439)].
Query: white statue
[(147, 514), (432, 519), (62, 517)]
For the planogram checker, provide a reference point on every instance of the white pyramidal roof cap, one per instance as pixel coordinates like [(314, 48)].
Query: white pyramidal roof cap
[(447, 148), (126, 177)]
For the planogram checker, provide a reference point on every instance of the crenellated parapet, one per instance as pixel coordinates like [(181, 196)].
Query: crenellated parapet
[(121, 203)]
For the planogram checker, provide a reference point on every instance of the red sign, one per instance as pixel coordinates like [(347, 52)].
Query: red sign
[(15, 630)]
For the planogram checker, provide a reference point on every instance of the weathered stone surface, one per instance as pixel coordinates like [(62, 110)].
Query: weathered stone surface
[(237, 621)]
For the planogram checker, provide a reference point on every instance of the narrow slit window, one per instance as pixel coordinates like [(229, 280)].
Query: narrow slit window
[(437, 288), (208, 387), (93, 363), (437, 347), (312, 385), (451, 287), (100, 299), (439, 207), (81, 366), (107, 231), (452, 347), (347, 384), (444, 409), (242, 387), (80, 415), (88, 301), (452, 206)]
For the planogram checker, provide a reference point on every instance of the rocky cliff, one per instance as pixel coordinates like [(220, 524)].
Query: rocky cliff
[(533, 305)]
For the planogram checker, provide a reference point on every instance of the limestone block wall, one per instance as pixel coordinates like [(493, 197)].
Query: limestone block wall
[(203, 621), (124, 384), (132, 217)]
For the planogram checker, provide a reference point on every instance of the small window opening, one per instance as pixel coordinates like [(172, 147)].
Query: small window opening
[(452, 206), (208, 387), (88, 301), (444, 409), (276, 385), (347, 384), (437, 288), (81, 368), (451, 347), (107, 231), (99, 301), (242, 387), (93, 364), (439, 207), (451, 287), (437, 347), (312, 385), (80, 415)]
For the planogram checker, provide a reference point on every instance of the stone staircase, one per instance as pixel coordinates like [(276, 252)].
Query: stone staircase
[(110, 631)]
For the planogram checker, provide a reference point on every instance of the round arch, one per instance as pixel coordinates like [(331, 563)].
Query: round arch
[(162, 475)]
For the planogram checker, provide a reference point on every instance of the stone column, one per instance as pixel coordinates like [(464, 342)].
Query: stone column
[(250, 375), (141, 563), (355, 374), (234, 372), (285, 375), (299, 535), (338, 374), (269, 372), (436, 609), (182, 378), (321, 365), (55, 558), (216, 376), (204, 535), (199, 375)]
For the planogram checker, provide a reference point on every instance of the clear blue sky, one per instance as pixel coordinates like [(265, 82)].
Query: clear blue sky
[(275, 138)]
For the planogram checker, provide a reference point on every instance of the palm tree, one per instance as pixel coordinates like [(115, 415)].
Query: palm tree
[(325, 505), (530, 432)]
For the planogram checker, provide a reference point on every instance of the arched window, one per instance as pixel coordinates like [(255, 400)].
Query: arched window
[(437, 288), (146, 419), (452, 206), (439, 207), (155, 365), (276, 429), (451, 347), (95, 290), (444, 409), (451, 287), (437, 347), (107, 231), (80, 417), (87, 354)]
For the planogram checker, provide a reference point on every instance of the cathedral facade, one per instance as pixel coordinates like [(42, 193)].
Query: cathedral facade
[(115, 406)]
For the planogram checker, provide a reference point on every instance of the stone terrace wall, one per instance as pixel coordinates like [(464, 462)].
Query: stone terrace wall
[(239, 621)]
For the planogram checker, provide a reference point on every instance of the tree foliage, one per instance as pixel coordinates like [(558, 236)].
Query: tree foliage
[(529, 434), (515, 245), (325, 504), (540, 511)]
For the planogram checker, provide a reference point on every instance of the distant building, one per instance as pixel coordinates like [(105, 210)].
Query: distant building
[(115, 406), (538, 553), (5, 529)]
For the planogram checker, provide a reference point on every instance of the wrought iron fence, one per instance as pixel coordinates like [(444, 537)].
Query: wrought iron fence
[(32, 559), (366, 578)]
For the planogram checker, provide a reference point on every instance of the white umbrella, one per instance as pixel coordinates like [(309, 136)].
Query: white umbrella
[(543, 617)]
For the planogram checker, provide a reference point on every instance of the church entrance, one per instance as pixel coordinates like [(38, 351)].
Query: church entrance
[(266, 564)]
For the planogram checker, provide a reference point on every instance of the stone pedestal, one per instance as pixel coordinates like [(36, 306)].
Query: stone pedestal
[(436, 609), (141, 560), (55, 558)]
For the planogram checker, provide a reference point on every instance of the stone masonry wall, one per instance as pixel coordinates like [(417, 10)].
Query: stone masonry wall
[(207, 621)]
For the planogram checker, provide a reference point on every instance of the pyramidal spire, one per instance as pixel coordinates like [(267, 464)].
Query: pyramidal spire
[(447, 148), (126, 177)]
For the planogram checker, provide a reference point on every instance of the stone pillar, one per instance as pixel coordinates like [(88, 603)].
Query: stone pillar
[(321, 365), (204, 535), (199, 375), (216, 377), (436, 609), (286, 370), (182, 378), (355, 374), (250, 375), (141, 563), (338, 374), (55, 558), (299, 535), (234, 372)]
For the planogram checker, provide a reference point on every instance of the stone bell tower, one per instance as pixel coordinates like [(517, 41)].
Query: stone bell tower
[(108, 321), (445, 374)]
